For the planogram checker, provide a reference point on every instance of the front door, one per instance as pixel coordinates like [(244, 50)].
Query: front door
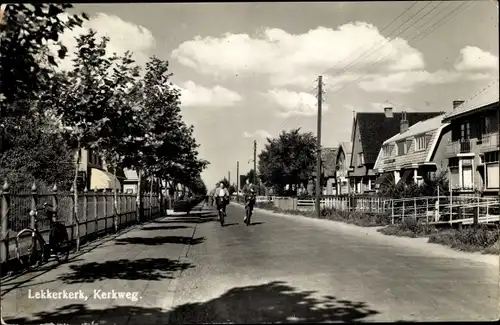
[(467, 177)]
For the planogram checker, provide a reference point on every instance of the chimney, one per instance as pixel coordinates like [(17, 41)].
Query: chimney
[(388, 112), (403, 127), (457, 103)]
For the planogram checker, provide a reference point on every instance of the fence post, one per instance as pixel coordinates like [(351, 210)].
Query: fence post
[(105, 205), (71, 215), (415, 208), (85, 207), (96, 217), (392, 211), (476, 215), (34, 204), (55, 201), (4, 232), (487, 208), (403, 213)]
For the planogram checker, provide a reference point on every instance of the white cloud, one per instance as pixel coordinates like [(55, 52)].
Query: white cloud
[(193, 95), (294, 103), (283, 56), (372, 62), (124, 36), (257, 134), (474, 59)]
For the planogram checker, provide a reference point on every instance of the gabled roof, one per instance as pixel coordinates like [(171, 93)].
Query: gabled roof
[(347, 149), (486, 97), (375, 128), (418, 128), (329, 158), (431, 128)]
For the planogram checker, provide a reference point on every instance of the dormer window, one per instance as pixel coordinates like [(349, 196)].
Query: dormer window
[(421, 142), (387, 150), (401, 148)]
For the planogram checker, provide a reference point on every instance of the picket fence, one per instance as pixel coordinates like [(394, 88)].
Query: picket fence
[(95, 210)]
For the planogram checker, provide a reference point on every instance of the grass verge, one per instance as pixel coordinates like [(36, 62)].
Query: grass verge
[(483, 239)]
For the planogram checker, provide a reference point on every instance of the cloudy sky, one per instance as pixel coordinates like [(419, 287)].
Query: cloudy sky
[(249, 70)]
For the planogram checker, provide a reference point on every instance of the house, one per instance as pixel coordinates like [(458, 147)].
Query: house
[(94, 174), (413, 156), (369, 132), (131, 181), (343, 160), (472, 151), (328, 159)]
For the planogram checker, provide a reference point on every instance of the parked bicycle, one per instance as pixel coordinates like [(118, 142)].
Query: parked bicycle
[(33, 252)]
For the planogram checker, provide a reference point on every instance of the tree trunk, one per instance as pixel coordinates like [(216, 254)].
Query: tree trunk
[(151, 181), (75, 197), (115, 201), (138, 200)]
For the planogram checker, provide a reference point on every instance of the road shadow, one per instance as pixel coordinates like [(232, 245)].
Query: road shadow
[(154, 269), (274, 302), (256, 223), (159, 240), (164, 227), (186, 220), (230, 224)]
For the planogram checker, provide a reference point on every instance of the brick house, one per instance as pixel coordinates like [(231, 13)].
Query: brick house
[(369, 132), (414, 155), (473, 148)]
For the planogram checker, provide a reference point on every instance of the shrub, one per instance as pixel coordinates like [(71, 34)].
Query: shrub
[(470, 239), (408, 228)]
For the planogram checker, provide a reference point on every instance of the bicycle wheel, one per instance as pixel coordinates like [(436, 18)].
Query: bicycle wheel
[(221, 217), (30, 248)]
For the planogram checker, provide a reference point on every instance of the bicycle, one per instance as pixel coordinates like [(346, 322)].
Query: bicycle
[(58, 246), (250, 201), (220, 207)]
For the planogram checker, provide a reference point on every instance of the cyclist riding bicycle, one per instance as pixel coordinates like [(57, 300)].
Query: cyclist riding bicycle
[(222, 198), (250, 201)]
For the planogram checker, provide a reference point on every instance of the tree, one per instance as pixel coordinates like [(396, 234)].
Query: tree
[(35, 153), (120, 127), (26, 30), (84, 104), (250, 176), (225, 182), (288, 159), (25, 66)]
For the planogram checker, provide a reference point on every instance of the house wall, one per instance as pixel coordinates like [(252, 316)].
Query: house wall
[(439, 157), (477, 147), (357, 148)]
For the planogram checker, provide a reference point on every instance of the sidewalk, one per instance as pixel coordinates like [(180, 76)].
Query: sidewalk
[(136, 270)]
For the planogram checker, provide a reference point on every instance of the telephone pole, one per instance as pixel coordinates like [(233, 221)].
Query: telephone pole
[(237, 180), (255, 162), (318, 149)]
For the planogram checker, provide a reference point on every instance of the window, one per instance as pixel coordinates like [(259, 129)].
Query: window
[(401, 148), (492, 170), (465, 131), (421, 142), (361, 159), (453, 162), (491, 157), (387, 150)]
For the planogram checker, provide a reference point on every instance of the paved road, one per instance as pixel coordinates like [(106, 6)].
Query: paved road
[(280, 269)]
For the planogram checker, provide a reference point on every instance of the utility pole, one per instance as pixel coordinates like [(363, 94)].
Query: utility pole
[(237, 181), (318, 148), (229, 177), (255, 162)]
